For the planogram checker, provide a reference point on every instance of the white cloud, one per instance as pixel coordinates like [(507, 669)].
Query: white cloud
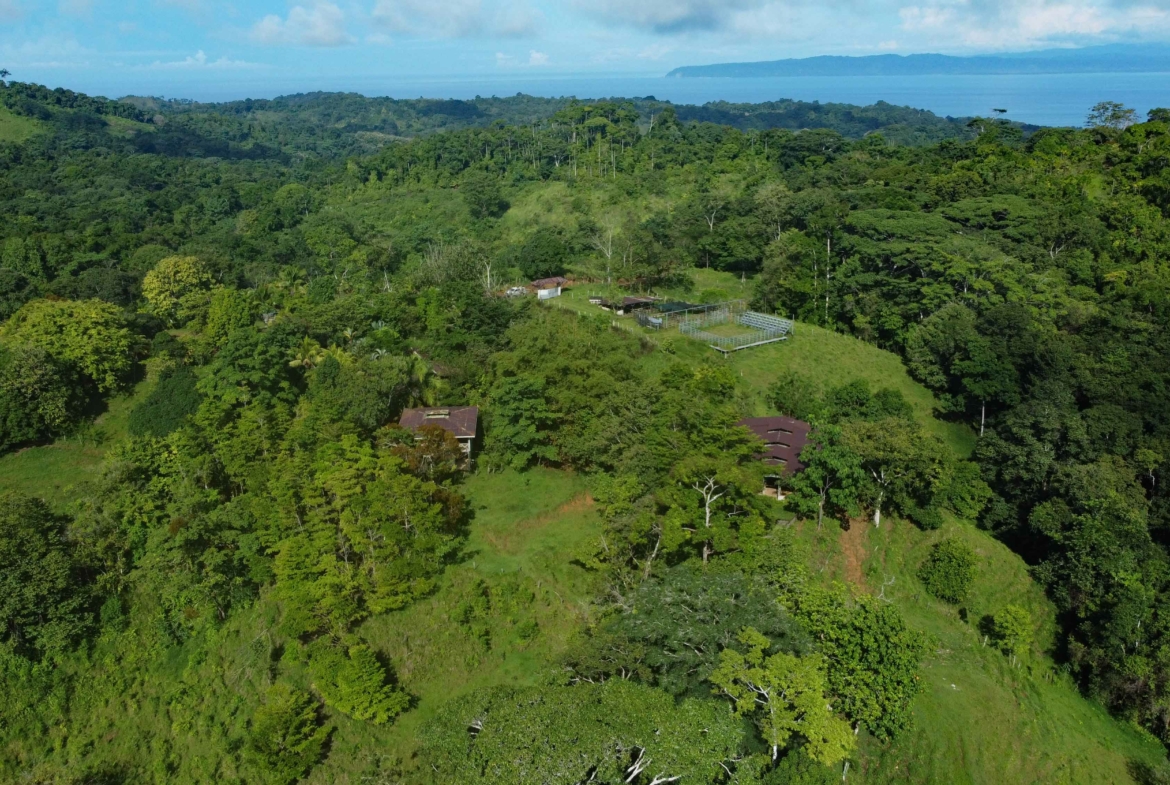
[(1013, 24), (668, 16), (457, 18), (516, 21), (199, 61), (452, 19), (321, 24), (48, 52), (535, 60)]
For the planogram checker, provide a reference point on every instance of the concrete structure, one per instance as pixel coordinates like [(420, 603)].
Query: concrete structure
[(547, 288)]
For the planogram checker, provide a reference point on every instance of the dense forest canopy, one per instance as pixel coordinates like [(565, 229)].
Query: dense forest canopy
[(272, 282)]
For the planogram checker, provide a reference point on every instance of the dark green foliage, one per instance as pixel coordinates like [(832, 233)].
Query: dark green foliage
[(543, 255), (797, 768), (40, 397), (286, 739), (872, 657), (166, 344), (795, 396), (518, 432), (669, 632), (949, 570), (482, 193), (173, 400), (855, 401), (586, 732), (43, 602), (365, 394), (966, 494)]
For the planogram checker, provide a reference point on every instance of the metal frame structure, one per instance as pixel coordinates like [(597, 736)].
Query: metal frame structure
[(762, 328)]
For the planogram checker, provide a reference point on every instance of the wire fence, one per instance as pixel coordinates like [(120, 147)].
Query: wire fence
[(762, 329)]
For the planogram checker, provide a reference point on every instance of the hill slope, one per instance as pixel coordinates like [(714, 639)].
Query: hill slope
[(979, 719)]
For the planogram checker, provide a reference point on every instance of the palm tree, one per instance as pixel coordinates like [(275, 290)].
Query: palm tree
[(423, 387), (338, 353), (290, 281), (308, 355)]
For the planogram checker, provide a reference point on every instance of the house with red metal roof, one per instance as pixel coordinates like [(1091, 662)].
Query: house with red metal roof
[(462, 422), (783, 438)]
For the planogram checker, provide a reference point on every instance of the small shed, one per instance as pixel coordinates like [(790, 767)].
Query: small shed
[(784, 438), (631, 304), (462, 422), (547, 288)]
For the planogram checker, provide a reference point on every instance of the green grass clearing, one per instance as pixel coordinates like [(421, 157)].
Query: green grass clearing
[(526, 531), (53, 471), (17, 128), (979, 718)]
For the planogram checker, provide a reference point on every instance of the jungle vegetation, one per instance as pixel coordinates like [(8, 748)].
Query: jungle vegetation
[(232, 305)]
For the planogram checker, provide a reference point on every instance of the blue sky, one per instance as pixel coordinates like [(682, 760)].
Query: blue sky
[(255, 47)]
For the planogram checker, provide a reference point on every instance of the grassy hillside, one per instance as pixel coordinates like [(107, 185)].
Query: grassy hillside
[(828, 358), (979, 719), (17, 128), (510, 607), (529, 602)]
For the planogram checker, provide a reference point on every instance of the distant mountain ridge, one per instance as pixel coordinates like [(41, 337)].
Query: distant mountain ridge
[(1114, 58)]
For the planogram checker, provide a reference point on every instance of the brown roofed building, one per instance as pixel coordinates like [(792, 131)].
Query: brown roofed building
[(784, 438), (462, 422), (549, 283)]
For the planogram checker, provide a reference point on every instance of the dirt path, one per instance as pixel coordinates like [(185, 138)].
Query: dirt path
[(853, 551)]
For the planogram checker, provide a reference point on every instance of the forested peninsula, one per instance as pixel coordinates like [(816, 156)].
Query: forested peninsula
[(349, 440)]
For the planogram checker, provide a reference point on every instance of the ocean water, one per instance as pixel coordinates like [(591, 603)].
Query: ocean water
[(1057, 99)]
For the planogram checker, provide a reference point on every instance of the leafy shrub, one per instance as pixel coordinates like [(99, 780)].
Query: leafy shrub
[(355, 683), (948, 571), (39, 396), (873, 658), (928, 518), (169, 403), (854, 401), (797, 768), (285, 739), (89, 334), (43, 605), (164, 343), (1010, 630), (966, 493), (542, 255), (795, 396)]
